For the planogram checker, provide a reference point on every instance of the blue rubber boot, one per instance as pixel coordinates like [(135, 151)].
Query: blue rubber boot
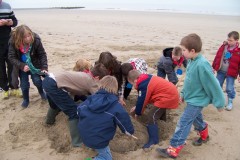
[(25, 102), (153, 135)]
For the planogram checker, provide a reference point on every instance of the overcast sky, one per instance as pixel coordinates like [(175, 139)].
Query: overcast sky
[(217, 6)]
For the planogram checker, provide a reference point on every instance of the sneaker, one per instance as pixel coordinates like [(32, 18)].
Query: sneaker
[(230, 105), (5, 94)]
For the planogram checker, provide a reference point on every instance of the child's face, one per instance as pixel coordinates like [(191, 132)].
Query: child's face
[(27, 39), (175, 58), (188, 54), (232, 41), (133, 83)]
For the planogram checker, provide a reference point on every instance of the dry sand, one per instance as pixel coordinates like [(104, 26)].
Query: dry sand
[(71, 34)]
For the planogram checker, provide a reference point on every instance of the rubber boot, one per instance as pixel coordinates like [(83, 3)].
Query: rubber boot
[(170, 152), (42, 93), (75, 136), (25, 102), (51, 116), (203, 137), (152, 135), (230, 105)]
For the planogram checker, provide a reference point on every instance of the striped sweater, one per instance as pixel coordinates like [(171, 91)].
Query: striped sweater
[(6, 13)]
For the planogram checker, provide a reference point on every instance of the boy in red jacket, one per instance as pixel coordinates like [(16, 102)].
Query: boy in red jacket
[(156, 91), (227, 65)]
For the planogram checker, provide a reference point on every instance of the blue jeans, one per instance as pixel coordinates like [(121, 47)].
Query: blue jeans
[(171, 76), (59, 99), (103, 154), (24, 81), (221, 76), (191, 116)]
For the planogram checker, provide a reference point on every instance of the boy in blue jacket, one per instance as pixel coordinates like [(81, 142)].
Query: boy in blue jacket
[(99, 117)]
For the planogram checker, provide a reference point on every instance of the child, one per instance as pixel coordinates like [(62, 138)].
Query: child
[(28, 57), (7, 21), (82, 65), (227, 65), (58, 87), (114, 68), (171, 64), (133, 63), (112, 64), (99, 117), (200, 89), (158, 92)]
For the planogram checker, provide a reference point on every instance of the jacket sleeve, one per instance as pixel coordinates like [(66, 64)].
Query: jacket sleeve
[(172, 77), (141, 101), (217, 56), (123, 120), (211, 85), (13, 57), (185, 62), (14, 19), (42, 55)]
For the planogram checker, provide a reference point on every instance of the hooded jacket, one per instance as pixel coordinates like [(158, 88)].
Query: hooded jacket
[(99, 117), (37, 54), (234, 61), (157, 91), (166, 64)]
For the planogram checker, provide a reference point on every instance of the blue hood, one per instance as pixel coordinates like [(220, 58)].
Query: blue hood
[(101, 101)]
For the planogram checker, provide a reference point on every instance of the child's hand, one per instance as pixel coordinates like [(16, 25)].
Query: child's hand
[(122, 102), (238, 79), (133, 109), (214, 71), (135, 116), (9, 22), (181, 100), (225, 42), (44, 71), (26, 68), (132, 112), (220, 109), (2, 22)]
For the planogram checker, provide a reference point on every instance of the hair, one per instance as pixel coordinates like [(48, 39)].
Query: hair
[(177, 51), (133, 75), (192, 41), (99, 70), (112, 64), (109, 61), (82, 65), (18, 35), (234, 34), (125, 68), (109, 83)]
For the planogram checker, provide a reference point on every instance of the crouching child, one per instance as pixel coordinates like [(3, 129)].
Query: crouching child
[(99, 117), (156, 93)]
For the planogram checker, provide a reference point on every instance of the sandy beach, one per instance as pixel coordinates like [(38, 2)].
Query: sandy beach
[(70, 34)]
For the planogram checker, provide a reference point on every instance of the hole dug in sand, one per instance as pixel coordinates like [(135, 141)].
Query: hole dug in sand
[(60, 139), (28, 132)]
